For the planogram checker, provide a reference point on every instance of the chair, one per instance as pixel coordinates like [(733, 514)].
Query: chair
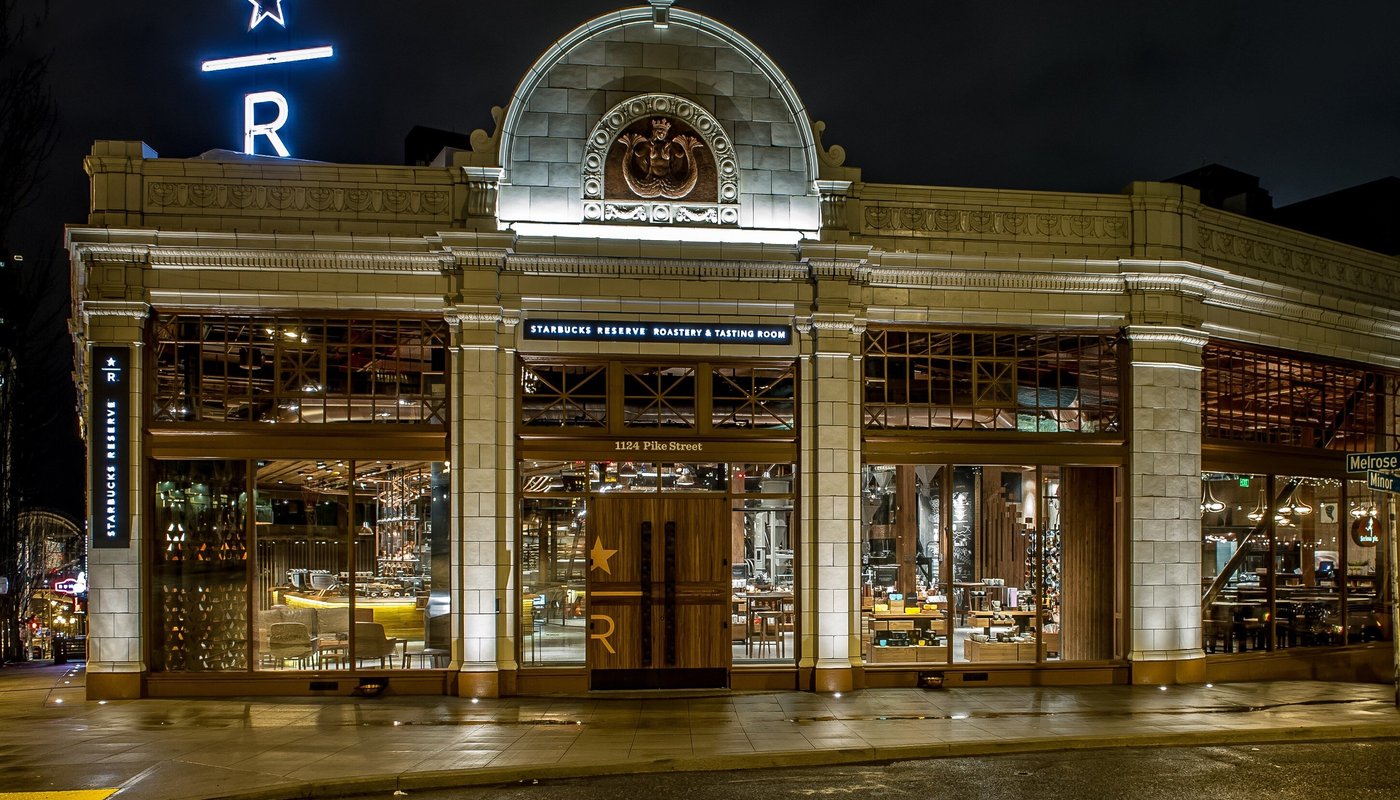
[(288, 641), (370, 642)]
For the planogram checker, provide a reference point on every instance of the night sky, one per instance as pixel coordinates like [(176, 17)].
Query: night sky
[(1068, 96)]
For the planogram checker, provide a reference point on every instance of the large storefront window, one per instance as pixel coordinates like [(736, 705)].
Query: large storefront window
[(1291, 562), (199, 567), (558, 537), (976, 564), (349, 568)]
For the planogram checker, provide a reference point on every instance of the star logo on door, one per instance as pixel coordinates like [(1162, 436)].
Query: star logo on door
[(599, 555)]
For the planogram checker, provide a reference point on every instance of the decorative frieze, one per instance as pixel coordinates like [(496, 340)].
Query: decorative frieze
[(1295, 262), (312, 198), (938, 221)]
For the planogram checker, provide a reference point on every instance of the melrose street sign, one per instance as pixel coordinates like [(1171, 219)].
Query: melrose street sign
[(1377, 467), (1370, 462)]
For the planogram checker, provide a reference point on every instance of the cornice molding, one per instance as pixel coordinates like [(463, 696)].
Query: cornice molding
[(285, 260), (111, 253), (529, 264), (127, 309), (1166, 334), (851, 269), (1188, 285), (984, 280), (237, 259)]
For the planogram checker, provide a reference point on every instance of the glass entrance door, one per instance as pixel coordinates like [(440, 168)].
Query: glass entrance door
[(659, 592)]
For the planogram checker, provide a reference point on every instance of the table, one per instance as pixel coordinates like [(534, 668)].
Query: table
[(1234, 620), (963, 591), (1022, 617), (768, 616), (332, 651)]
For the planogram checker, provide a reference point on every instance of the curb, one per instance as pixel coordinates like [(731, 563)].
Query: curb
[(485, 776)]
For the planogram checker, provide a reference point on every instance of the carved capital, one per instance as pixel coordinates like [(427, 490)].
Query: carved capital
[(115, 308)]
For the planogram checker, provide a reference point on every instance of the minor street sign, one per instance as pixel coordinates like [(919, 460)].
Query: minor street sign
[(1383, 482), (1371, 462)]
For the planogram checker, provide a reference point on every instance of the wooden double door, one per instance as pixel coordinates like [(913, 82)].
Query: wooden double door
[(658, 592)]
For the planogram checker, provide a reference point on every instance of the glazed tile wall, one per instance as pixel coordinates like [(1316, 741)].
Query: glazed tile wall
[(1164, 486)]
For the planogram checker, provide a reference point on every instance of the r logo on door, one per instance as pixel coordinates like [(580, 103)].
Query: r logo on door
[(605, 635)]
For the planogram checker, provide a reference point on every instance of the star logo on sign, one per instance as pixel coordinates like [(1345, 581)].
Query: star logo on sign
[(266, 9), (599, 555)]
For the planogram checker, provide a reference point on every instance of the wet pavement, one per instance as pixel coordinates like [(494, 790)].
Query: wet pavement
[(56, 740)]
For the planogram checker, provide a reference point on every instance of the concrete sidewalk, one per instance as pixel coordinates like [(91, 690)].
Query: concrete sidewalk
[(55, 740)]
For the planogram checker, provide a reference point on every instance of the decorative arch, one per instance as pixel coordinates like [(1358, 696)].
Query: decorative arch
[(598, 207), (627, 16)]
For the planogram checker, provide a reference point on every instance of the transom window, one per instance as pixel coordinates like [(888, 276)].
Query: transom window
[(629, 396), (1269, 398), (920, 379), (263, 368)]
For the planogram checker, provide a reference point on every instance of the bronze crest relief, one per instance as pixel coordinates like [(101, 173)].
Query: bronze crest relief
[(660, 158)]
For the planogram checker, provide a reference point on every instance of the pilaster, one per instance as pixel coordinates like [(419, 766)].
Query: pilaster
[(1164, 487), (477, 479), (831, 463), (116, 600)]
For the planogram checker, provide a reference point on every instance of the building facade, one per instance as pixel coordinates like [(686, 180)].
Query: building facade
[(649, 389)]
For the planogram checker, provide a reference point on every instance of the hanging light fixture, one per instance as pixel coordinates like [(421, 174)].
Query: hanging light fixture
[(1258, 513), (1208, 502), (1297, 506)]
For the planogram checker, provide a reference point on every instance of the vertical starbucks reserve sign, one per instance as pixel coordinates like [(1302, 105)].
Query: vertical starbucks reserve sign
[(678, 332), (111, 400)]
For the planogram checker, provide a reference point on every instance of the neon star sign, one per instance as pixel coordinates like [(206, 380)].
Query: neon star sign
[(260, 121), (261, 12)]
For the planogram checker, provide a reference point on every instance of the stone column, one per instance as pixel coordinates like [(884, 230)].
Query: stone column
[(831, 439), (1164, 487), (474, 443), (116, 644)]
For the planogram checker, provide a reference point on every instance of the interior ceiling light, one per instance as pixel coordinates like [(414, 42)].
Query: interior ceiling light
[(1258, 513), (1208, 502)]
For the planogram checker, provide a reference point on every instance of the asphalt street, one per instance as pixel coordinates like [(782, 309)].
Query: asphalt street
[(1342, 770)]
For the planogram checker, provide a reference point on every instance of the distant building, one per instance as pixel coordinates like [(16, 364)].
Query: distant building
[(1366, 216), (1229, 190), (649, 388)]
